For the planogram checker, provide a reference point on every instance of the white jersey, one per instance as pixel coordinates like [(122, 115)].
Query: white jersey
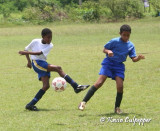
[(36, 46)]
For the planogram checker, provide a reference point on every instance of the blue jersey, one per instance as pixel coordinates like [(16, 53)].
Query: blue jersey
[(120, 50)]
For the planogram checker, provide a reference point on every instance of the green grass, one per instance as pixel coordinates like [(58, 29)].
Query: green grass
[(78, 49)]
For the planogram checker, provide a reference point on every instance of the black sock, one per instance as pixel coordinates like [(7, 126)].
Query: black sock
[(71, 82), (90, 93), (118, 99), (37, 97)]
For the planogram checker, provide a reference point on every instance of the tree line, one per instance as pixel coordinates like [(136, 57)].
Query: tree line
[(39, 11)]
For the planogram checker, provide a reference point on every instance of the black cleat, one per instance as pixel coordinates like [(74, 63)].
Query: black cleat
[(31, 107), (81, 88)]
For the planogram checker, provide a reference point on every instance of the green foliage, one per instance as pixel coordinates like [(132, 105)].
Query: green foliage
[(67, 2), (156, 6), (32, 14), (35, 15), (90, 10), (134, 8), (20, 4), (7, 8), (120, 9), (44, 11)]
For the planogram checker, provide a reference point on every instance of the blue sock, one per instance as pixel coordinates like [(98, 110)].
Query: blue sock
[(71, 82), (37, 97)]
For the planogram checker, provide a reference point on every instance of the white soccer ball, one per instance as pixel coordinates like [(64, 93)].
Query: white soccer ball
[(59, 84)]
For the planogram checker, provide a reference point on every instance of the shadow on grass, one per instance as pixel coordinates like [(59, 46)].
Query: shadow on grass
[(84, 115), (123, 114), (111, 114), (42, 109), (39, 110), (59, 124)]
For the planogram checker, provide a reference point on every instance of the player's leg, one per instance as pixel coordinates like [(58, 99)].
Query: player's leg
[(77, 88), (40, 93), (119, 85), (45, 81), (92, 90), (57, 69)]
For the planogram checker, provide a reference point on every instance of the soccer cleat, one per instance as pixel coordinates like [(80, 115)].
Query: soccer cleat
[(31, 107), (82, 106), (118, 111), (81, 88)]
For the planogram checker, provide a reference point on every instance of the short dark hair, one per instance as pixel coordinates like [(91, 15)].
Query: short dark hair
[(125, 28), (46, 31)]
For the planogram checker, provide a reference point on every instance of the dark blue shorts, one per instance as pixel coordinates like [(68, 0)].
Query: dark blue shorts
[(40, 67), (112, 69)]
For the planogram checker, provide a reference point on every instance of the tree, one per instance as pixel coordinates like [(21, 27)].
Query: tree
[(120, 9), (156, 5), (80, 2), (20, 4), (7, 8)]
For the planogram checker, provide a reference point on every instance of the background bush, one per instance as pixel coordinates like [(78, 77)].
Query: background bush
[(120, 9), (40, 11)]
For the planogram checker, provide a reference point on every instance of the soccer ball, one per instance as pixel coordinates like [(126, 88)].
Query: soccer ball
[(59, 84)]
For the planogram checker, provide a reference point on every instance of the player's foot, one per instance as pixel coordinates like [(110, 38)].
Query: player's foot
[(118, 111), (82, 106), (31, 107), (81, 88)]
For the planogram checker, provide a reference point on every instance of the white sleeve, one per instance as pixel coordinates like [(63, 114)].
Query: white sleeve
[(46, 50), (29, 47)]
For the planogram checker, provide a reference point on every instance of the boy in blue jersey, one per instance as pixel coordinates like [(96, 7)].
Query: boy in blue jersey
[(116, 51), (40, 48)]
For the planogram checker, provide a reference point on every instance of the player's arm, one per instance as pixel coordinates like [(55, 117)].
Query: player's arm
[(29, 65), (30, 53), (27, 53), (109, 52), (137, 58), (29, 47), (108, 48)]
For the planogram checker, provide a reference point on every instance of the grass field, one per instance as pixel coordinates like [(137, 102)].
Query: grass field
[(78, 49)]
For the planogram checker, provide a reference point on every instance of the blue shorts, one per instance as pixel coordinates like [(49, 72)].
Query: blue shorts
[(40, 67), (112, 69)]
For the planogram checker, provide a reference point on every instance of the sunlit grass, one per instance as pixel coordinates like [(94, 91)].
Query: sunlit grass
[(78, 49)]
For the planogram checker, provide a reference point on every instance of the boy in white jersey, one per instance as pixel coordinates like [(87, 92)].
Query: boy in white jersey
[(39, 51)]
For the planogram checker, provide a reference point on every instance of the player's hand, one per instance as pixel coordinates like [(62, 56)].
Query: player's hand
[(110, 53), (22, 52), (141, 57), (29, 65)]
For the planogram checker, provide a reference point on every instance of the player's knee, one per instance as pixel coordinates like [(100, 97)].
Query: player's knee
[(120, 89), (46, 87), (99, 84), (59, 68)]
